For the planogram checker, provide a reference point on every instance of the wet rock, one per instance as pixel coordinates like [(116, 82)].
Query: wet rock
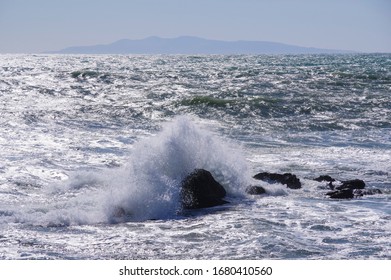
[(352, 184), (341, 194), (362, 192), (255, 190), (352, 189), (326, 178), (288, 179), (200, 190), (352, 193)]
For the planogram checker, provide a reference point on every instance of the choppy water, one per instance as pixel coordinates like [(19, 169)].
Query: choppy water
[(81, 136)]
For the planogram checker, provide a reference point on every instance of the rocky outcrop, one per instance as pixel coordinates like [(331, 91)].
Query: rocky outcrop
[(346, 189), (288, 179), (200, 190)]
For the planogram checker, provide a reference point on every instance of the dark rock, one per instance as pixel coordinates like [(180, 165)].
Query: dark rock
[(352, 189), (255, 190), (341, 194), (352, 193), (352, 184), (326, 178), (200, 190), (288, 179), (362, 192), (327, 186)]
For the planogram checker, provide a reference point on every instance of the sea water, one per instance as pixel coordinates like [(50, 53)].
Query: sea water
[(93, 150)]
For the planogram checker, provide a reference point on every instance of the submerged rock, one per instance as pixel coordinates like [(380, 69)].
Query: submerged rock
[(352, 193), (288, 179), (326, 178), (350, 184), (352, 189), (200, 190), (255, 190), (363, 192), (341, 194)]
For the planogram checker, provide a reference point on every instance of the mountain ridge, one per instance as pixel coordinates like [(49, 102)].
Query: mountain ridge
[(193, 45)]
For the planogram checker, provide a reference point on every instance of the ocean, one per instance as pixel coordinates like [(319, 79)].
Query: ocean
[(82, 136)]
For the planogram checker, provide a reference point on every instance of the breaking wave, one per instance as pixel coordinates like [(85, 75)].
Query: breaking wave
[(148, 186)]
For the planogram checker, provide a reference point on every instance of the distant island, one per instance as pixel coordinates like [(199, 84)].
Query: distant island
[(193, 45)]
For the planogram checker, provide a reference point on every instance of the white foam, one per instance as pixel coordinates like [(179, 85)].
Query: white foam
[(148, 186)]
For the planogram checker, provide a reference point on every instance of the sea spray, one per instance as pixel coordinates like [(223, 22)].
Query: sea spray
[(147, 186)]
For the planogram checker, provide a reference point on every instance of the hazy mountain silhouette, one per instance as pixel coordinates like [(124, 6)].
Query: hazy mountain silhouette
[(193, 45)]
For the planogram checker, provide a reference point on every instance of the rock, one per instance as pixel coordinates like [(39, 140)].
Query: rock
[(200, 190), (352, 189), (288, 179), (352, 184), (255, 190), (362, 192), (352, 193), (326, 178), (341, 194)]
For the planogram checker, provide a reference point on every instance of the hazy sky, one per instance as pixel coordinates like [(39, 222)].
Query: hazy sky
[(43, 25)]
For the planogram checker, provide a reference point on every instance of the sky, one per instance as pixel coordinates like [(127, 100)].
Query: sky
[(33, 26)]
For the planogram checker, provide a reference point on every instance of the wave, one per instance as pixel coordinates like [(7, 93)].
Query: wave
[(147, 186), (206, 100), (83, 75)]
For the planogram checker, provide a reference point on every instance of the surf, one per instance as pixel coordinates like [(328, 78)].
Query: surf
[(148, 185)]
